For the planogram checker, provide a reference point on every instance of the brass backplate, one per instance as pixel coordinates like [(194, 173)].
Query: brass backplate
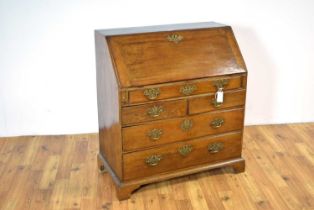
[(152, 93), (176, 38), (185, 150), (215, 147), (153, 160)]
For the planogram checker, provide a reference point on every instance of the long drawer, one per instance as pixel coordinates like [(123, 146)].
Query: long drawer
[(181, 155), (172, 130), (182, 89)]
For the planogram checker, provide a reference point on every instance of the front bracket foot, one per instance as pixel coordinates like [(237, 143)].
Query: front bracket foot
[(126, 191), (239, 167)]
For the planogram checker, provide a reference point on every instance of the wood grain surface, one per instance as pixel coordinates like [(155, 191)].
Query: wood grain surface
[(172, 90), (60, 172), (171, 159), (206, 103), (139, 77), (138, 114), (136, 137), (108, 110), (150, 58)]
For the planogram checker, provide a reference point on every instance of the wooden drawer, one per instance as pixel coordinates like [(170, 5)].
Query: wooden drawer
[(206, 103), (182, 89), (180, 155), (171, 130), (153, 111)]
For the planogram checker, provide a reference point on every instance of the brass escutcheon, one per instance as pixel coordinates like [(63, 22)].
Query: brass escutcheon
[(151, 93), (186, 124), (155, 111), (215, 147), (176, 38), (185, 150), (153, 160), (155, 134), (216, 123), (188, 89)]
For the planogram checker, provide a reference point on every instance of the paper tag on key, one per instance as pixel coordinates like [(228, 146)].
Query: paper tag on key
[(220, 96)]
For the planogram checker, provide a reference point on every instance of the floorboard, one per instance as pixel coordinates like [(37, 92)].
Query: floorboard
[(60, 172)]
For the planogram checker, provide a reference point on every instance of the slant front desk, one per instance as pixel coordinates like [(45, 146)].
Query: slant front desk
[(171, 102)]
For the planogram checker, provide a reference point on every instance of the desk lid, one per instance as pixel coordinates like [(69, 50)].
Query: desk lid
[(161, 54)]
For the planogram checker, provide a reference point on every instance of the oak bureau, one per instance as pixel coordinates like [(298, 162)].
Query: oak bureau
[(171, 102)]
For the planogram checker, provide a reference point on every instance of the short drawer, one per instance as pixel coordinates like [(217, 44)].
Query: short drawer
[(172, 130), (181, 89), (153, 111), (181, 155), (207, 103)]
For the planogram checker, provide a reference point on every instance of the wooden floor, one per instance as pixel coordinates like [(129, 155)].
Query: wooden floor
[(59, 172)]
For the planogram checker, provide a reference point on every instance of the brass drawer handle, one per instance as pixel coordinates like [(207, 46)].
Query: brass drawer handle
[(152, 93), (218, 98), (176, 38), (186, 125), (185, 150), (155, 134), (215, 147), (221, 83), (217, 123), (188, 89), (155, 111), (215, 103), (219, 95), (153, 160)]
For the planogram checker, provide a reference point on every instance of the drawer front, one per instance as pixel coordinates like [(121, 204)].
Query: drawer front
[(180, 155), (207, 103), (153, 111), (154, 93), (166, 131)]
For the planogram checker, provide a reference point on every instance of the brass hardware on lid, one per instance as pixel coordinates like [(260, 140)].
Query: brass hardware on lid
[(176, 38)]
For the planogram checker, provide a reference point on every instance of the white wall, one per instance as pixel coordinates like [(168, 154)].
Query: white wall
[(47, 65)]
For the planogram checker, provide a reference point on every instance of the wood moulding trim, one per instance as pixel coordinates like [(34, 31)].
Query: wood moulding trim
[(181, 97), (238, 164), (124, 97), (113, 62), (227, 76), (160, 28)]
